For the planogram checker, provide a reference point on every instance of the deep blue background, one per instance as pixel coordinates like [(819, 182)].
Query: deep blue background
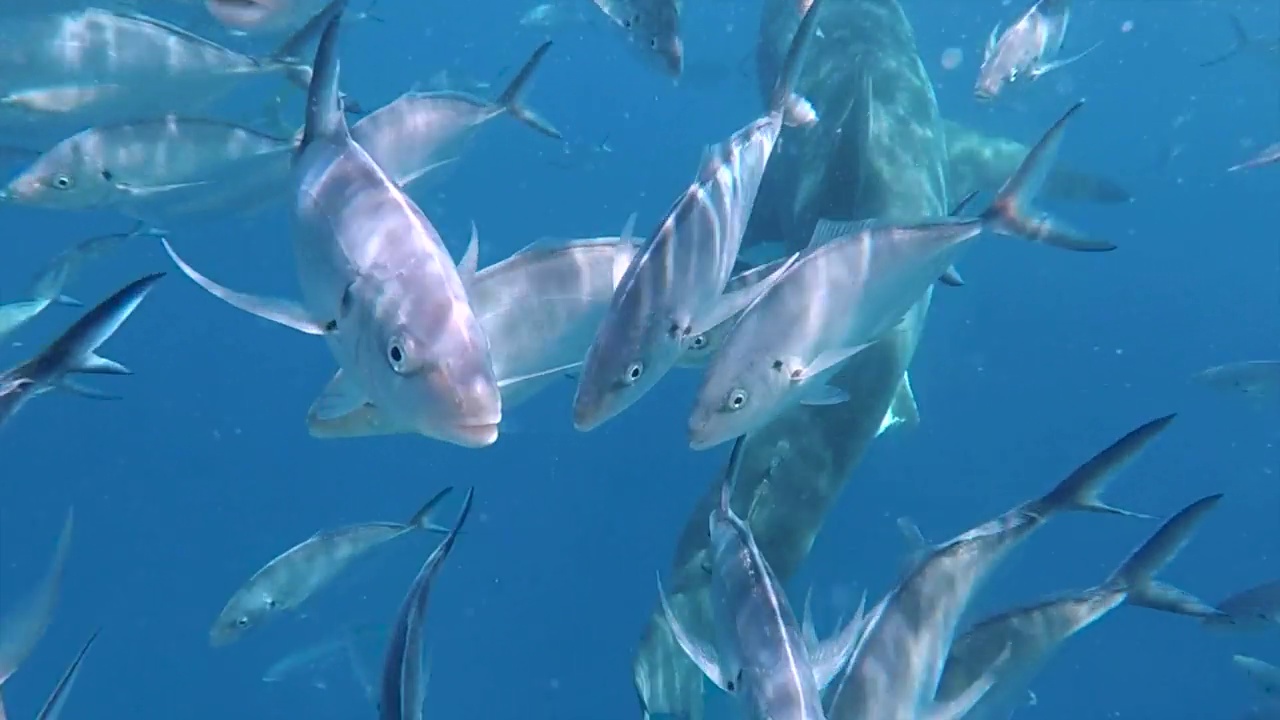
[(205, 470)]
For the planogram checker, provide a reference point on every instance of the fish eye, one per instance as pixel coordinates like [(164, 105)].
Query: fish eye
[(396, 355), (62, 182), (737, 399), (653, 43), (242, 622), (699, 342), (108, 175), (634, 371)]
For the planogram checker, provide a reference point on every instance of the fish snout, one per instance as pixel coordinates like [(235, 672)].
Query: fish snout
[(671, 50), (986, 88)]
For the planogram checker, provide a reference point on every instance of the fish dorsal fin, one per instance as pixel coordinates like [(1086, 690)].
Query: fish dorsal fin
[(629, 229), (470, 261), (827, 230), (325, 118)]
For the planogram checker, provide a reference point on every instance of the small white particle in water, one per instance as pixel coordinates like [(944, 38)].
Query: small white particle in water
[(1126, 26), (951, 58)]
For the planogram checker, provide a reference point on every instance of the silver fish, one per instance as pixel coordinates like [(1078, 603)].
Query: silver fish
[(410, 134), (539, 308), (1268, 156), (299, 572), (1265, 675), (897, 665), (652, 27), (760, 654), (57, 700), (673, 289), (800, 330), (22, 627), (1257, 379), (116, 165), (94, 66), (402, 687), (1254, 608), (75, 351), (1032, 635), (47, 287), (319, 654), (1029, 47), (379, 285)]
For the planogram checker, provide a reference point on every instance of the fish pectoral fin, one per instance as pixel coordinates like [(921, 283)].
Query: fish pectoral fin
[(701, 655), (145, 191), (277, 310), (364, 421), (992, 39), (903, 409), (1044, 68), (826, 360), (734, 302), (823, 395), (807, 630), (831, 655), (338, 398), (951, 278), (470, 261), (959, 706)]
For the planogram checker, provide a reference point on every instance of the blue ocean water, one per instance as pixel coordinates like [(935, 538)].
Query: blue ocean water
[(204, 471)]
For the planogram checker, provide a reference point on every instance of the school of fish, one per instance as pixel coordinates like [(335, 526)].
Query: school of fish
[(797, 294)]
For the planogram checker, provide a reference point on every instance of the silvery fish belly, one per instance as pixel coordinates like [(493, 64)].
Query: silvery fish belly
[(378, 280), (541, 307), (263, 16)]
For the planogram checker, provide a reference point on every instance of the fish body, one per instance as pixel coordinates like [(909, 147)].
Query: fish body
[(896, 668), (673, 290), (1265, 675), (760, 655), (416, 131), (22, 627), (119, 164), (299, 572), (1258, 379), (1268, 156), (853, 283), (1014, 646), (1257, 607), (1030, 47), (74, 352), (379, 285), (403, 684), (652, 27), (96, 66)]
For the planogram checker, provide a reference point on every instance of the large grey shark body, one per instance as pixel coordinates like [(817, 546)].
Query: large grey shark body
[(879, 150)]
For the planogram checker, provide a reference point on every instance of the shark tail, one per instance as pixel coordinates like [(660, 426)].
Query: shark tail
[(1135, 577), (1010, 213), (511, 96)]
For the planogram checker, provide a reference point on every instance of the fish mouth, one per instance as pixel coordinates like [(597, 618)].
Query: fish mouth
[(701, 439), (476, 435)]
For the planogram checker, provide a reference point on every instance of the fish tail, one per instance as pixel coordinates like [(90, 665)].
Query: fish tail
[(1240, 41), (510, 99), (325, 118), (1081, 489), (75, 351), (1136, 575), (1010, 213), (423, 519), (784, 101)]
